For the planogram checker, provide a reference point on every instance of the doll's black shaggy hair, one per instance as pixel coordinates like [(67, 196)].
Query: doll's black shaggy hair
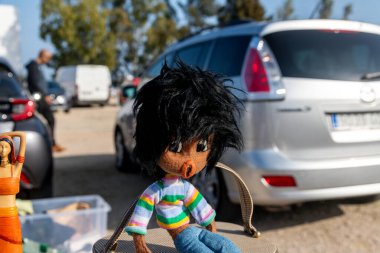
[(182, 104)]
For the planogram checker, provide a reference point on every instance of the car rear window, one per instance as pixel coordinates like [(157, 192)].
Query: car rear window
[(326, 54), (9, 87), (194, 55), (228, 55)]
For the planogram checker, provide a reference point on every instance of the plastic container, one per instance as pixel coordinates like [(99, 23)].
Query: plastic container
[(68, 231)]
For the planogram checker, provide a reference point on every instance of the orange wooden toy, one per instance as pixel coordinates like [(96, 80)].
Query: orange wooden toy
[(10, 171)]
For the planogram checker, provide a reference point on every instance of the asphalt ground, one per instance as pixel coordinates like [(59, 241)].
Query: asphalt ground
[(87, 167)]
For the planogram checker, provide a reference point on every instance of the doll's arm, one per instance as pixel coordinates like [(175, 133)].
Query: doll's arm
[(20, 134), (211, 227), (202, 212), (140, 244), (138, 222), (21, 152)]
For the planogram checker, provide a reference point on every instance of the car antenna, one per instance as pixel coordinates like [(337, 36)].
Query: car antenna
[(316, 8)]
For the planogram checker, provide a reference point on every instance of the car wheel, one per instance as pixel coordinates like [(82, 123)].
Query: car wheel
[(212, 186), (208, 183), (45, 190), (123, 158)]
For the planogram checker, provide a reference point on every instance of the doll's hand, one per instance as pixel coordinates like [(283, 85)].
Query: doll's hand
[(211, 227), (140, 244)]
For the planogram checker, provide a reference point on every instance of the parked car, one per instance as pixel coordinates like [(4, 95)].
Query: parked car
[(311, 123), (18, 114), (59, 97), (85, 84)]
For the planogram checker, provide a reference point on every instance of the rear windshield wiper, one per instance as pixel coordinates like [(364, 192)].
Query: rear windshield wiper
[(370, 76)]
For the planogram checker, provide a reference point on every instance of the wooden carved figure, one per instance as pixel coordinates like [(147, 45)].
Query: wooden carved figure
[(185, 119), (10, 171)]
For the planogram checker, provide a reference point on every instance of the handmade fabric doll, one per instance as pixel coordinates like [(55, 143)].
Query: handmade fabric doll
[(185, 120)]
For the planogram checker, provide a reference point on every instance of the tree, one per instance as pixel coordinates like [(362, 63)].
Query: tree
[(78, 31), (240, 10), (347, 11), (144, 28), (197, 12), (163, 31), (286, 11), (126, 20), (325, 9)]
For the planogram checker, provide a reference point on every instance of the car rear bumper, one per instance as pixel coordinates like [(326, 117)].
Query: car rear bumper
[(315, 179)]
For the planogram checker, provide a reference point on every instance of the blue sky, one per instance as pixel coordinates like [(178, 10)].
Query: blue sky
[(29, 15)]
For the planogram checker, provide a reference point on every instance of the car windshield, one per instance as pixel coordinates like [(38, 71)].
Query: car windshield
[(326, 54), (9, 87)]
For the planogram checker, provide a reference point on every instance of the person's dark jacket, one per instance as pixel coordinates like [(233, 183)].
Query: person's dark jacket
[(36, 80)]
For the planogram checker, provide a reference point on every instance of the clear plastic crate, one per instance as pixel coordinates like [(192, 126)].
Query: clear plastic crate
[(68, 231)]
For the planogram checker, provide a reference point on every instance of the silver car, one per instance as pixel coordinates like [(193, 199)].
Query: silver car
[(311, 123)]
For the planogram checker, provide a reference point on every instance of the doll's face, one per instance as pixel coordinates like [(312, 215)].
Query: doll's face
[(185, 159), (5, 149)]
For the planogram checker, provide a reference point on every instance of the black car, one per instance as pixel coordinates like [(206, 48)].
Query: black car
[(17, 113), (58, 96)]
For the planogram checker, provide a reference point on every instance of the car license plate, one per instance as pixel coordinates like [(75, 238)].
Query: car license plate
[(354, 121)]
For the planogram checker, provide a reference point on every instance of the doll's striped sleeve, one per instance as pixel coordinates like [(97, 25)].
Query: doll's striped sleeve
[(202, 212), (143, 211)]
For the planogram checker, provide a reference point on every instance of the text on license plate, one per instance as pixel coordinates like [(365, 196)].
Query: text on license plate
[(352, 121)]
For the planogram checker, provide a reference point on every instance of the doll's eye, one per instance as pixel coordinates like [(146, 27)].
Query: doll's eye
[(202, 146), (175, 147)]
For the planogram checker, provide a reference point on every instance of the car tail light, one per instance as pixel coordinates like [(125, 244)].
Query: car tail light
[(262, 75), (255, 75), (22, 109), (136, 81), (280, 181), (24, 179)]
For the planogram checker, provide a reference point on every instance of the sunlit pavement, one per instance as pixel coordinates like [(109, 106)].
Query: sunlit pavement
[(87, 167)]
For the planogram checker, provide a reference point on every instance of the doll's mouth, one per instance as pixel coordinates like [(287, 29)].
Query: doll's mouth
[(188, 169)]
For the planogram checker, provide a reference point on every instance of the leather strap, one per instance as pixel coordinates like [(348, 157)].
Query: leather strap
[(245, 202)]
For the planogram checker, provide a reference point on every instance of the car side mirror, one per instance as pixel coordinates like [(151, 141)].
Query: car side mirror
[(129, 91)]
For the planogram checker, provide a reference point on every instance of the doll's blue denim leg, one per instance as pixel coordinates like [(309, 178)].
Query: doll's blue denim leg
[(196, 240), (217, 243), (188, 241)]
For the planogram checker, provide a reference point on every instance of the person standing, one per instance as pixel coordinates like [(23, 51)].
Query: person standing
[(38, 84)]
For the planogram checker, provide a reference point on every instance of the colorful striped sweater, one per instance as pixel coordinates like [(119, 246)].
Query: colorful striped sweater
[(174, 200)]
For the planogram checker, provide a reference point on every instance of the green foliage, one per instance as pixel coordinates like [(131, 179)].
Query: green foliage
[(325, 9), (197, 11), (128, 34), (79, 32), (285, 12), (347, 11), (240, 10), (162, 32)]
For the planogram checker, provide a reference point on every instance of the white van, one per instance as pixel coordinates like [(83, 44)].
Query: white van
[(85, 84)]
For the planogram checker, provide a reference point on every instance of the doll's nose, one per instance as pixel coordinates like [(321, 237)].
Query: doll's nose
[(188, 169)]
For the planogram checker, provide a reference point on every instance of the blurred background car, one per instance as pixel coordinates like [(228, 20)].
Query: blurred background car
[(126, 90), (311, 123), (59, 97), (17, 113), (85, 84)]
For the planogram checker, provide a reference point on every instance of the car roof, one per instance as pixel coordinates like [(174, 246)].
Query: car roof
[(265, 28), (320, 24), (248, 28), (4, 64)]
